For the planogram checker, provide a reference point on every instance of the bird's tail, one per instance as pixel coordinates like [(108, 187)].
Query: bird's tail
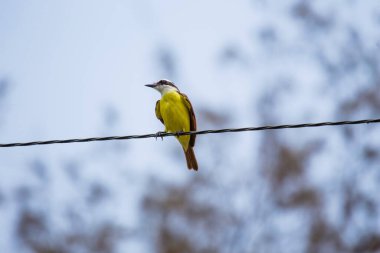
[(190, 159)]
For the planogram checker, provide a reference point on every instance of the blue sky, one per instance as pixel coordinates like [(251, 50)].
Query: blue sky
[(71, 64), (68, 63)]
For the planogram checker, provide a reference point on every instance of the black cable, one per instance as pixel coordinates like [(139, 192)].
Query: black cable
[(162, 134)]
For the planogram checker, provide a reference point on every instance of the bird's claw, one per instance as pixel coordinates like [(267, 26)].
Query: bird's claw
[(160, 134)]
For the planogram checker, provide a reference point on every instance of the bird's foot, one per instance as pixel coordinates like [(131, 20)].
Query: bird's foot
[(160, 134), (178, 134)]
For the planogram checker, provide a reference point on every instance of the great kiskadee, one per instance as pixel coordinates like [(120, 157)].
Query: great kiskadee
[(175, 111)]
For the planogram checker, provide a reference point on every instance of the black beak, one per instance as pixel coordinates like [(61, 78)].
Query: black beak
[(150, 85)]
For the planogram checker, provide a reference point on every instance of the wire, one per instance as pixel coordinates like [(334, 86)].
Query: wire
[(164, 134)]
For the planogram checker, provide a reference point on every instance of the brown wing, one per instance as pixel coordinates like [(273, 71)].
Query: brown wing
[(158, 112), (193, 121)]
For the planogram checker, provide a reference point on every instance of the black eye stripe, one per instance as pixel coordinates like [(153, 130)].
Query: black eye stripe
[(166, 82)]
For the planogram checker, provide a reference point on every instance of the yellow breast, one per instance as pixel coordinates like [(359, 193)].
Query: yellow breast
[(175, 115)]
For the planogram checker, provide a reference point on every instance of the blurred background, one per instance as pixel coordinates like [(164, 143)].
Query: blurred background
[(76, 69)]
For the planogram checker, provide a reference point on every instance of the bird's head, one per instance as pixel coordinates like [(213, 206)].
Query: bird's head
[(163, 86)]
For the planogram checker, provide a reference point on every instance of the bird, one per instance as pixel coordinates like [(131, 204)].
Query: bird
[(175, 111)]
